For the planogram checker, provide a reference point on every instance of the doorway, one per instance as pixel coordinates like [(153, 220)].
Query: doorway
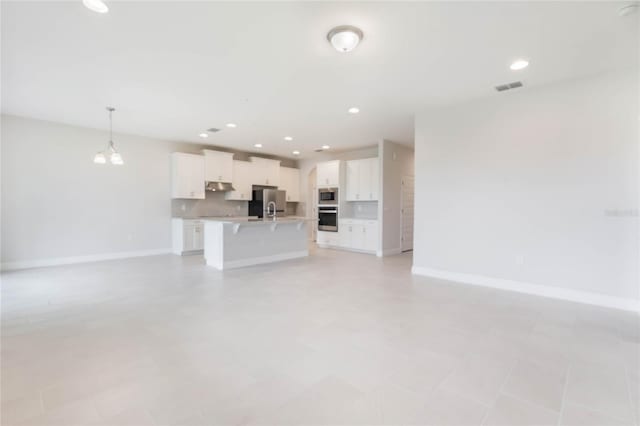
[(312, 199)]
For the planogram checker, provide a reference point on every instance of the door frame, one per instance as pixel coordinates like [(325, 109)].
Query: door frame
[(402, 249)]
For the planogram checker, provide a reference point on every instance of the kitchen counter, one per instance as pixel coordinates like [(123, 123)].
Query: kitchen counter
[(257, 220), (236, 242)]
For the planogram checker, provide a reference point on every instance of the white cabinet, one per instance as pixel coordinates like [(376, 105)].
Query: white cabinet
[(266, 172), (358, 234), (290, 182), (362, 180), (218, 166), (242, 181), (325, 238), (187, 175), (187, 236), (328, 174)]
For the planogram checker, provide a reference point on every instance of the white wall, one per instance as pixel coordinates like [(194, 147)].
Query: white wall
[(57, 204), (396, 161), (535, 186)]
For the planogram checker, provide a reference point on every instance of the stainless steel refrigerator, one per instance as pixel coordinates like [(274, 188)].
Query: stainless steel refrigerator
[(259, 205)]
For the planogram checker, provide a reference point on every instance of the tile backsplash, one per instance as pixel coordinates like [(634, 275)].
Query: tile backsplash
[(360, 209), (215, 205)]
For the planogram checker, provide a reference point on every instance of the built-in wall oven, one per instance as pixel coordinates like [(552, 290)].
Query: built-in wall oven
[(328, 196), (328, 218)]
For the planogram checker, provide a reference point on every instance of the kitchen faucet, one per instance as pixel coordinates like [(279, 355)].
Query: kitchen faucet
[(269, 209)]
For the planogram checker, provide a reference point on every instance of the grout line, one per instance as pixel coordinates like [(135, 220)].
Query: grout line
[(627, 379), (504, 383), (564, 394)]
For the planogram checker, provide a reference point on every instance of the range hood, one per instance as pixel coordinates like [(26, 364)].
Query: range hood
[(218, 186)]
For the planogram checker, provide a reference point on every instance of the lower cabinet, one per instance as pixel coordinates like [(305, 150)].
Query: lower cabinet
[(187, 236), (325, 238), (353, 234)]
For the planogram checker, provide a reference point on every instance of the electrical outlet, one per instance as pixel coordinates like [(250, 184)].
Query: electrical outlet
[(183, 207), (520, 260), (130, 237)]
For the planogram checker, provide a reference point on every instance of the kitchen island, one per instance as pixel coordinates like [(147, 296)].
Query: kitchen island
[(233, 242)]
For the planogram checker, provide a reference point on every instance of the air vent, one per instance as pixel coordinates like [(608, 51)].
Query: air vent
[(319, 150), (213, 130), (514, 85)]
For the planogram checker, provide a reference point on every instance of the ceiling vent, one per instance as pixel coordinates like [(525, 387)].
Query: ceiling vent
[(213, 130), (514, 85)]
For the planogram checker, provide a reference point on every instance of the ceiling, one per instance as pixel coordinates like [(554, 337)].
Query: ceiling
[(174, 69)]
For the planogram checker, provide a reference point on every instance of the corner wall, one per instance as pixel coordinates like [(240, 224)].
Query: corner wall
[(534, 190)]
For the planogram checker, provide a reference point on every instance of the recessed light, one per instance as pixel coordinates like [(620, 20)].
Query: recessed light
[(354, 110), (288, 138), (96, 5), (232, 125), (325, 147), (258, 145), (296, 152), (345, 38), (204, 135), (519, 64)]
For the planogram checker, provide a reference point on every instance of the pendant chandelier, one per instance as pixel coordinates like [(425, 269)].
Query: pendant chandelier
[(111, 151)]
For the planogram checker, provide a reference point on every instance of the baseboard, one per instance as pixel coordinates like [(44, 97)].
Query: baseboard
[(389, 252), (341, 248), (265, 259), (39, 263), (529, 288)]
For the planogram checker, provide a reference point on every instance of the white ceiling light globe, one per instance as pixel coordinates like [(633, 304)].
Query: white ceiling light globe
[(345, 38), (116, 159), (96, 5), (100, 158)]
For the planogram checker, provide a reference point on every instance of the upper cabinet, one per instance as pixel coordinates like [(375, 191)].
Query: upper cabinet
[(290, 182), (242, 181), (362, 180), (187, 176), (328, 174), (266, 171), (218, 166)]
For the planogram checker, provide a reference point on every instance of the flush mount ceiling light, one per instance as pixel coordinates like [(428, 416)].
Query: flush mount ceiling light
[(296, 152), (232, 125), (258, 145), (111, 151), (96, 5), (325, 147), (345, 38), (519, 64), (353, 110), (288, 138), (204, 135)]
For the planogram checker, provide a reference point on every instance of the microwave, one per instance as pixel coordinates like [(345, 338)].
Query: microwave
[(328, 196)]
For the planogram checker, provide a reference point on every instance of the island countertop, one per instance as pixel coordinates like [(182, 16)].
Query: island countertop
[(258, 221)]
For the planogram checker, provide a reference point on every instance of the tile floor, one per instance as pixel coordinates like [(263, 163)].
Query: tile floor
[(337, 338)]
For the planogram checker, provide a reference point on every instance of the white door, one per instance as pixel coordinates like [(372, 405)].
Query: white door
[(408, 183)]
